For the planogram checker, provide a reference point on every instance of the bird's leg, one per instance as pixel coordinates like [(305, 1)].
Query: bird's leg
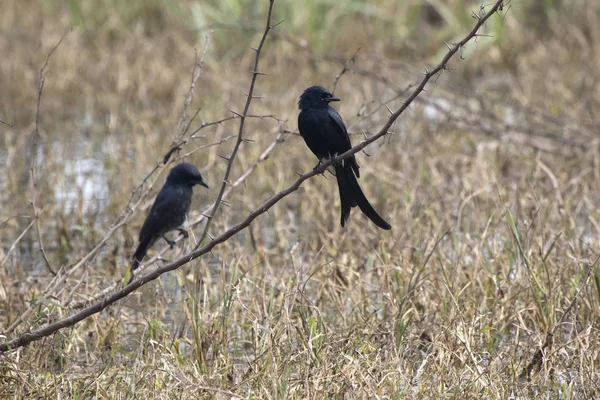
[(183, 233), (171, 243)]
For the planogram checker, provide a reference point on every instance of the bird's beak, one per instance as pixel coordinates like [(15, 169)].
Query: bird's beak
[(202, 183), (333, 98)]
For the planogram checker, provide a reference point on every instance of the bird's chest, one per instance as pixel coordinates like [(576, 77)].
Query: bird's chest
[(178, 209), (313, 128), (185, 200), (322, 134)]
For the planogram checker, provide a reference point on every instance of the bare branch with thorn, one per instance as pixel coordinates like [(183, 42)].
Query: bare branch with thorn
[(242, 116), (51, 328)]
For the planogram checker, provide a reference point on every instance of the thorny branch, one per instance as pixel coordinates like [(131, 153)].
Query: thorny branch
[(51, 328), (243, 116)]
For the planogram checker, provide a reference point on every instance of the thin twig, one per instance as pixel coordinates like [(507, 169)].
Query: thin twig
[(206, 146), (185, 121), (348, 66), (34, 150), (17, 240), (49, 329)]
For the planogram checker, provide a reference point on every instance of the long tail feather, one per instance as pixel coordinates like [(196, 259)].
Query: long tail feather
[(351, 195), (346, 196)]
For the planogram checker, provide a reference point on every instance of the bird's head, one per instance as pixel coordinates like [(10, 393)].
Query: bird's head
[(186, 174), (316, 97)]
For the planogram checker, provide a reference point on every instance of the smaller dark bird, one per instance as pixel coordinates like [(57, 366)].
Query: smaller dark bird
[(169, 209), (325, 135)]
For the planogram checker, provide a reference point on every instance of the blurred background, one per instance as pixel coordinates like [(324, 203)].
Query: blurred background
[(490, 182)]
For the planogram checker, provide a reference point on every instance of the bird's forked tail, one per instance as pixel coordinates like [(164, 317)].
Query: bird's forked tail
[(351, 195)]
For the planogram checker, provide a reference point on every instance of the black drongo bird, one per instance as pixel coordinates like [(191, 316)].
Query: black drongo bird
[(169, 209), (325, 134)]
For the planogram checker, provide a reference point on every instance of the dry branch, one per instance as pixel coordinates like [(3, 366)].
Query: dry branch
[(51, 328), (243, 116)]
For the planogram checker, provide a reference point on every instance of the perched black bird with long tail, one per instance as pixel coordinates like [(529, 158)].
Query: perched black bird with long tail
[(169, 210), (325, 134)]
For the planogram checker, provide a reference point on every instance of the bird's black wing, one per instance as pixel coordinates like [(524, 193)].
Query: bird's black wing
[(342, 139), (310, 127), (167, 213)]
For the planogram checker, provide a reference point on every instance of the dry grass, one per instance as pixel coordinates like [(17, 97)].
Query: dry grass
[(491, 185)]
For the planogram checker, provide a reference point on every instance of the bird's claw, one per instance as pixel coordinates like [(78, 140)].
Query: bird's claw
[(336, 163), (184, 233), (171, 243)]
